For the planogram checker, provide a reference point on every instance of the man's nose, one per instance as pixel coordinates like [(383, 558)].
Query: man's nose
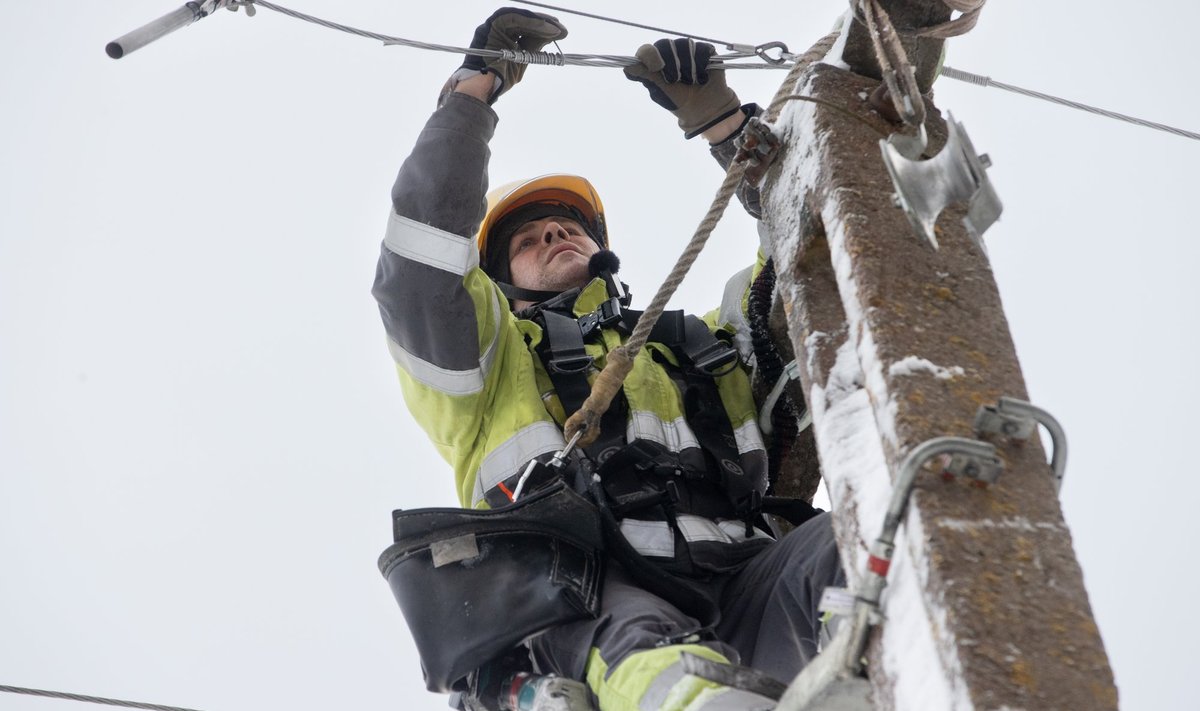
[(553, 230)]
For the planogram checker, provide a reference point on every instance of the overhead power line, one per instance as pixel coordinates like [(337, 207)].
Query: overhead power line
[(741, 51), (960, 75), (90, 699)]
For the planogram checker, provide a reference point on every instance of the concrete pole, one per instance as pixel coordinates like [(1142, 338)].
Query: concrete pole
[(900, 343)]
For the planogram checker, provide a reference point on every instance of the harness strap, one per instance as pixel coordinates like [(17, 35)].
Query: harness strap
[(567, 361)]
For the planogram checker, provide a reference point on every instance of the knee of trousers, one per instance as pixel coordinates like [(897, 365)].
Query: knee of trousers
[(651, 679)]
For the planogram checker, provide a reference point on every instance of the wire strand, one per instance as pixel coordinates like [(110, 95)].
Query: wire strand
[(627, 23), (989, 82), (90, 699), (720, 61)]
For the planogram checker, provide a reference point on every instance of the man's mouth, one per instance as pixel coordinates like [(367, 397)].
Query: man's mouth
[(559, 250)]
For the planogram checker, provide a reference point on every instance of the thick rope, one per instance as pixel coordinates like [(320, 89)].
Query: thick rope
[(586, 420), (956, 27), (960, 25), (89, 699)]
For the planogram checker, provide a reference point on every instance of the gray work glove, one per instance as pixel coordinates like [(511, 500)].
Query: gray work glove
[(509, 28), (677, 76)]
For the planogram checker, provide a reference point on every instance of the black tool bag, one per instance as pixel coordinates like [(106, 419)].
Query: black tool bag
[(473, 584)]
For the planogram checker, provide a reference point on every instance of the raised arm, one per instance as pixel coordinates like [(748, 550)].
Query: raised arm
[(445, 321)]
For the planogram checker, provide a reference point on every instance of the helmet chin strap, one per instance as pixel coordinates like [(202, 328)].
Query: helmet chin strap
[(517, 293)]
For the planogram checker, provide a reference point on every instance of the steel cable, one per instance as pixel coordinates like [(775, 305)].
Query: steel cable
[(90, 699), (524, 57), (988, 82), (723, 61), (586, 420)]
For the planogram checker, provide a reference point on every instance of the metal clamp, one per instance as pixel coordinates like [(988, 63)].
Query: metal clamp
[(926, 187), (975, 459), (247, 4), (1017, 419), (758, 146)]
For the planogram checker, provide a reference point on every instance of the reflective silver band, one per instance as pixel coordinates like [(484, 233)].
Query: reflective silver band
[(749, 437), (511, 456), (675, 435), (429, 245), (656, 694), (654, 538), (451, 382)]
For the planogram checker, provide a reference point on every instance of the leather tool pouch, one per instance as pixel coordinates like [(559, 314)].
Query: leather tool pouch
[(473, 584)]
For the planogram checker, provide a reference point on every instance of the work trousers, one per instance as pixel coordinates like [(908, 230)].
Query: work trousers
[(768, 616)]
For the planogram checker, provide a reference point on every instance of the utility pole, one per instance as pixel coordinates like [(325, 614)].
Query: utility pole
[(899, 343)]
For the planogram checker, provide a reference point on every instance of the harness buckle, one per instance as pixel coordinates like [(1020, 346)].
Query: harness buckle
[(603, 317), (716, 360), (609, 312), (571, 365), (589, 323)]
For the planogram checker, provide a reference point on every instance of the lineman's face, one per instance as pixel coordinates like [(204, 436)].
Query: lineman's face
[(550, 254)]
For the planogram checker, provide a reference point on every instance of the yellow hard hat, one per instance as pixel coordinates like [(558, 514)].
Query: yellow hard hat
[(573, 192)]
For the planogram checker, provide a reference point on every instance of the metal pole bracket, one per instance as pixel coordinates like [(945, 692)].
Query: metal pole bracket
[(984, 469), (1017, 419), (926, 187)]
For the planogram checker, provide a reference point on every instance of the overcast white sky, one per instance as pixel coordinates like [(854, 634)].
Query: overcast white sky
[(201, 436)]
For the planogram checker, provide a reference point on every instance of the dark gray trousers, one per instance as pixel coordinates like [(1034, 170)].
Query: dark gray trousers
[(769, 618)]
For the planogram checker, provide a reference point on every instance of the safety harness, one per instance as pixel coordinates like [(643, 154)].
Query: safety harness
[(640, 476)]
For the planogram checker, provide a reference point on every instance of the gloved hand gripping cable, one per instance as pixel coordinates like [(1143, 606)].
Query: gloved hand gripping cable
[(585, 422)]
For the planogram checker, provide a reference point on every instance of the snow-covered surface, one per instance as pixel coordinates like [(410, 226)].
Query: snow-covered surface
[(911, 365)]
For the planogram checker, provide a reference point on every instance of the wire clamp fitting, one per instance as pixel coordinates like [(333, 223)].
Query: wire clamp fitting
[(233, 6)]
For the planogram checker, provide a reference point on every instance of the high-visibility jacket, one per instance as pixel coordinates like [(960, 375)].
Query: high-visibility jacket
[(468, 365)]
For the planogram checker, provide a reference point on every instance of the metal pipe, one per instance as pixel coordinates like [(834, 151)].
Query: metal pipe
[(161, 27), (880, 554)]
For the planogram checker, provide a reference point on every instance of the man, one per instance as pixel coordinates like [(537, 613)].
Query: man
[(496, 340)]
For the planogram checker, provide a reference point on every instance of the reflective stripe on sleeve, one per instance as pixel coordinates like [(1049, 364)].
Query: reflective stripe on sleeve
[(429, 245), (451, 382), (507, 459)]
